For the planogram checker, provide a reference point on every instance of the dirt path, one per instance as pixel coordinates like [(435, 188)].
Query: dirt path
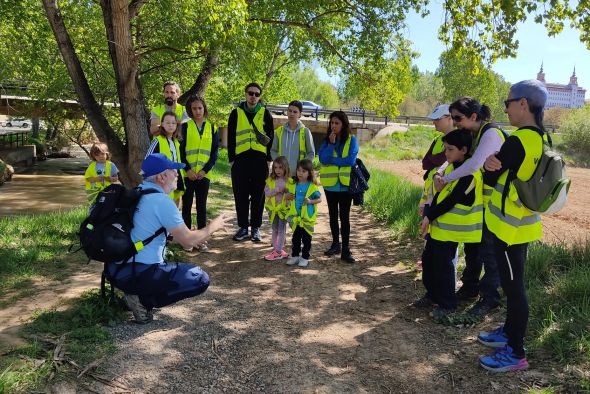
[(570, 225)]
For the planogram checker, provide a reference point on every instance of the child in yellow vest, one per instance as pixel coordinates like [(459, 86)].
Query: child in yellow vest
[(275, 191), (100, 173), (456, 215), (303, 197), (166, 142)]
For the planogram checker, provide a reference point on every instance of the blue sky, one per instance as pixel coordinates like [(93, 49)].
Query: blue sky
[(559, 54)]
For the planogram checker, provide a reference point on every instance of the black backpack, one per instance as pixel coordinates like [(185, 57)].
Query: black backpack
[(105, 235)]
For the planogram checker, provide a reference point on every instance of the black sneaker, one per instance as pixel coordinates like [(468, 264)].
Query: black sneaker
[(440, 313), (241, 235), (464, 294), (255, 237), (481, 308), (424, 302), (334, 250), (347, 256)]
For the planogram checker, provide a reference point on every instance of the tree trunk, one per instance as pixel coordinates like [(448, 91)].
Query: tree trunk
[(273, 64), (35, 127), (118, 27), (207, 71)]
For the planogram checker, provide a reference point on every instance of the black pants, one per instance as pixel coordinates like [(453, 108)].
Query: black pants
[(339, 206), (438, 272), (511, 261), (301, 236), (200, 190), (490, 282), (248, 177)]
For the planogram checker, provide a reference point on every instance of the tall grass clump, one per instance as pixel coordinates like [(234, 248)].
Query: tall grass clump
[(411, 144), (394, 201), (576, 135), (558, 285)]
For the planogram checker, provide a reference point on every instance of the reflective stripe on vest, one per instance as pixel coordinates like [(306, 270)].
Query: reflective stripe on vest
[(330, 174), (245, 136), (93, 188), (518, 224), (462, 223), (279, 134), (164, 147), (271, 205), (303, 220), (198, 147)]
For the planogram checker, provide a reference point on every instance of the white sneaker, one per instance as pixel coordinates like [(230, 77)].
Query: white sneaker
[(293, 260), (303, 262)]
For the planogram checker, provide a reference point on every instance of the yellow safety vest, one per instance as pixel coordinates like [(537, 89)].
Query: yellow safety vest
[(271, 205), (279, 134), (160, 109), (245, 136), (518, 224), (487, 190), (198, 147), (463, 223), (428, 189), (330, 174), (165, 149), (93, 188), (304, 219)]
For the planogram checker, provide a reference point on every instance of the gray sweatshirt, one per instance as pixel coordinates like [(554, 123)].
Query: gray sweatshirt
[(290, 145)]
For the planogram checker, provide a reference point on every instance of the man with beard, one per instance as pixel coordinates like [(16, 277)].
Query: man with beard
[(147, 280), (171, 94)]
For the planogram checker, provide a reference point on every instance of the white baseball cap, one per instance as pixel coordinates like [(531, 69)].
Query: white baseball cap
[(439, 111)]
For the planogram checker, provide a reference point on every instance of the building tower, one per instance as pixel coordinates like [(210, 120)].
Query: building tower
[(573, 78), (541, 74)]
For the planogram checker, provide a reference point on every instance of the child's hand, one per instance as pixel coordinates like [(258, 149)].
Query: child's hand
[(191, 175), (306, 201), (290, 196), (113, 179), (439, 183), (421, 210), (424, 226)]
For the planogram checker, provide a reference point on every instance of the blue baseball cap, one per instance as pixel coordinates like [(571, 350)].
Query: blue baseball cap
[(157, 163)]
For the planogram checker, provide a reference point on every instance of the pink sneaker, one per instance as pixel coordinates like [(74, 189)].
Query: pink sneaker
[(273, 256), (284, 254)]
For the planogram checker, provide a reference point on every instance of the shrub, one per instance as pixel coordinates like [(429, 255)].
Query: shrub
[(576, 131)]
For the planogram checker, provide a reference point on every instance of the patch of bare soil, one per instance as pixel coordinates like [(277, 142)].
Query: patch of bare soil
[(570, 225)]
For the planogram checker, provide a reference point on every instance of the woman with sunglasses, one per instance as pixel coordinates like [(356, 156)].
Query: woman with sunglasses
[(512, 224), (467, 113)]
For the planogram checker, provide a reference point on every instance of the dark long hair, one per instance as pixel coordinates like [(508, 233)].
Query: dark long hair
[(468, 106), (307, 165), (345, 132), (538, 112), (190, 102)]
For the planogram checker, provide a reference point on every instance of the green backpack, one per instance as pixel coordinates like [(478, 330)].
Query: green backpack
[(546, 191)]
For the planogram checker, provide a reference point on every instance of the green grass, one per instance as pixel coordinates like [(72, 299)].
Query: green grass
[(394, 201), (402, 145)]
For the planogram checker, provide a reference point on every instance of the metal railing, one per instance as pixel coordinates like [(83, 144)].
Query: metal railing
[(361, 115)]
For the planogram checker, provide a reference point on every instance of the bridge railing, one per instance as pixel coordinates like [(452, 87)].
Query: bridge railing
[(359, 115)]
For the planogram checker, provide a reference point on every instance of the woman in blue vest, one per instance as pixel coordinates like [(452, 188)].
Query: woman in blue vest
[(338, 154), (199, 148), (512, 224)]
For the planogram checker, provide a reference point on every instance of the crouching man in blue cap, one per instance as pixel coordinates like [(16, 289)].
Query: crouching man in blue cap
[(148, 281)]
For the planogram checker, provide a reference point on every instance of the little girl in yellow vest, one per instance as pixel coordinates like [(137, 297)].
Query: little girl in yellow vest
[(100, 173), (275, 190), (303, 198), (166, 142)]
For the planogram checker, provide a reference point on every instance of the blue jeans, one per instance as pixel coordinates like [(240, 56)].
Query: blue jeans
[(158, 285)]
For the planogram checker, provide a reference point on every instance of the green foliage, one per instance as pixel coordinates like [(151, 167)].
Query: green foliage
[(576, 131), (427, 91), (311, 88), (411, 144), (462, 77), (394, 201)]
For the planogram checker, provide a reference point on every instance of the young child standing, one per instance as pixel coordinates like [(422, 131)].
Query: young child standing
[(100, 173), (302, 211), (456, 215), (166, 141), (274, 190)]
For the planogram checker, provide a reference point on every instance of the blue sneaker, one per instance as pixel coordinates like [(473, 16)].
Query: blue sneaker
[(241, 235), (503, 361), (496, 338), (255, 237)]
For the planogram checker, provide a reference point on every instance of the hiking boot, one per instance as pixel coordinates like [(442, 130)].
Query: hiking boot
[(241, 234), (439, 312), (303, 262), (255, 237), (466, 295), (334, 250), (140, 313), (495, 339), (347, 256), (424, 302), (503, 360), (481, 308), (274, 255), (293, 260)]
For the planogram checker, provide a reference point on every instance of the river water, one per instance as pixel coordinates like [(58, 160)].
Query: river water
[(48, 186)]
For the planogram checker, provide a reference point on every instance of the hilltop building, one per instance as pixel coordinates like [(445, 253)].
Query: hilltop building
[(564, 96)]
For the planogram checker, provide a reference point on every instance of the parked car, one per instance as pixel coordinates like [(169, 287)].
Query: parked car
[(309, 108), (18, 122)]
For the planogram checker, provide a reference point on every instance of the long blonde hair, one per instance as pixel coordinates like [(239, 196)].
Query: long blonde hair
[(281, 161)]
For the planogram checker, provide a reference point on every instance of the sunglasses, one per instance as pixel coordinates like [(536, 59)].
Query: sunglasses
[(256, 94), (507, 102), (457, 118)]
